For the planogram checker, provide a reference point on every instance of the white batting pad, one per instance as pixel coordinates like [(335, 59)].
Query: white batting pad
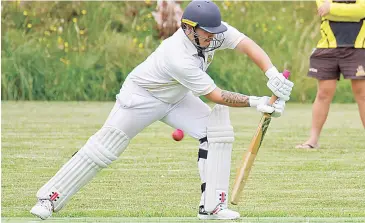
[(217, 170), (99, 151)]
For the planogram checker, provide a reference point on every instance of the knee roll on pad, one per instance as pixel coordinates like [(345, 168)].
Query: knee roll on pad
[(100, 150)]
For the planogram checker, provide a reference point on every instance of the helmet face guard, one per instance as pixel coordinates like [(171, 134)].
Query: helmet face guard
[(215, 42)]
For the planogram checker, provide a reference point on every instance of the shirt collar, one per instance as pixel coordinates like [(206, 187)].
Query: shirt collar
[(187, 42)]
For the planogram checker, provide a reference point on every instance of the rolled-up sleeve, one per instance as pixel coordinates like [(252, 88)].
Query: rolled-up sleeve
[(232, 37)]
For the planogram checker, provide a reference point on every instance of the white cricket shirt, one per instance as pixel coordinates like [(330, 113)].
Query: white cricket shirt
[(175, 68)]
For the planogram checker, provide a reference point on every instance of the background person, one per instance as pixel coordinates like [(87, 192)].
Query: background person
[(340, 50)]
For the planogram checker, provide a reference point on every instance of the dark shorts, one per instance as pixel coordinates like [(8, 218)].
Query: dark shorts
[(328, 64)]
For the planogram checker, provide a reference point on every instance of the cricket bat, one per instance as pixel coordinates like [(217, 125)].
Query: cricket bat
[(250, 155)]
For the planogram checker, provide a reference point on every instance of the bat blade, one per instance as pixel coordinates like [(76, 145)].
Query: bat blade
[(249, 158), (241, 178)]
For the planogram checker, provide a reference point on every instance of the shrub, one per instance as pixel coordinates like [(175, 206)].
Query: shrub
[(84, 50)]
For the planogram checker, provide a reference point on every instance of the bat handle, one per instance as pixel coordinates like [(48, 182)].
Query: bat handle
[(273, 98)]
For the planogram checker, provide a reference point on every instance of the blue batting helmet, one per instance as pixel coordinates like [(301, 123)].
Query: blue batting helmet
[(205, 15)]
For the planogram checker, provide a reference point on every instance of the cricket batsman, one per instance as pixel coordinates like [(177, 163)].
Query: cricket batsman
[(166, 87)]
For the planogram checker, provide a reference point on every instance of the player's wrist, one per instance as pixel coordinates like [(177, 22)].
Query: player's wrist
[(271, 72), (254, 101)]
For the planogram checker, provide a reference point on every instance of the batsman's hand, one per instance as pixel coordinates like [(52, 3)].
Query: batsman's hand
[(262, 105), (278, 84)]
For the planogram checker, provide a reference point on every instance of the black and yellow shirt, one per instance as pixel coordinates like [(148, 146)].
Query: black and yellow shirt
[(344, 26)]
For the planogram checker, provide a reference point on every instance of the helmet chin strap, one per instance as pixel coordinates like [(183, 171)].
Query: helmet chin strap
[(199, 48)]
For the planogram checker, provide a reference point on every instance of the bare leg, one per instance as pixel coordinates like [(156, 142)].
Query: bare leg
[(358, 88), (325, 92)]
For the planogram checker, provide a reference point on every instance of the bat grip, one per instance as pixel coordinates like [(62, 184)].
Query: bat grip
[(273, 98)]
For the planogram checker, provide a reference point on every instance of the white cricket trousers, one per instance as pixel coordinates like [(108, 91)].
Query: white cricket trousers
[(136, 108)]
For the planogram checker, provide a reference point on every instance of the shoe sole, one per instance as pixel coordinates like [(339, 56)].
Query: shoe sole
[(214, 217), (38, 216)]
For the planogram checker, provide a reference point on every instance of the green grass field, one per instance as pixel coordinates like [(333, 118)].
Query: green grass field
[(157, 178)]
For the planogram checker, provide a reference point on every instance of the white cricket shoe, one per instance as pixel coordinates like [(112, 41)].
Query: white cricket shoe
[(219, 213), (42, 209)]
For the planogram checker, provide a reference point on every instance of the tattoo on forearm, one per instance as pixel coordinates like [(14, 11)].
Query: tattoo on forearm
[(236, 99)]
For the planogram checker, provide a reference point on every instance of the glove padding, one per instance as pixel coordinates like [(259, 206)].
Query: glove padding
[(278, 84), (262, 105)]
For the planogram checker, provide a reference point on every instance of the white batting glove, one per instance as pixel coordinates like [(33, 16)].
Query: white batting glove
[(279, 106), (262, 105), (278, 84)]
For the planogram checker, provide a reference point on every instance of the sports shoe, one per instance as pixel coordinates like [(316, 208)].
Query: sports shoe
[(42, 209), (219, 213)]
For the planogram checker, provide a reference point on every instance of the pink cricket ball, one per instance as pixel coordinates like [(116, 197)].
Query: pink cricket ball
[(178, 135)]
